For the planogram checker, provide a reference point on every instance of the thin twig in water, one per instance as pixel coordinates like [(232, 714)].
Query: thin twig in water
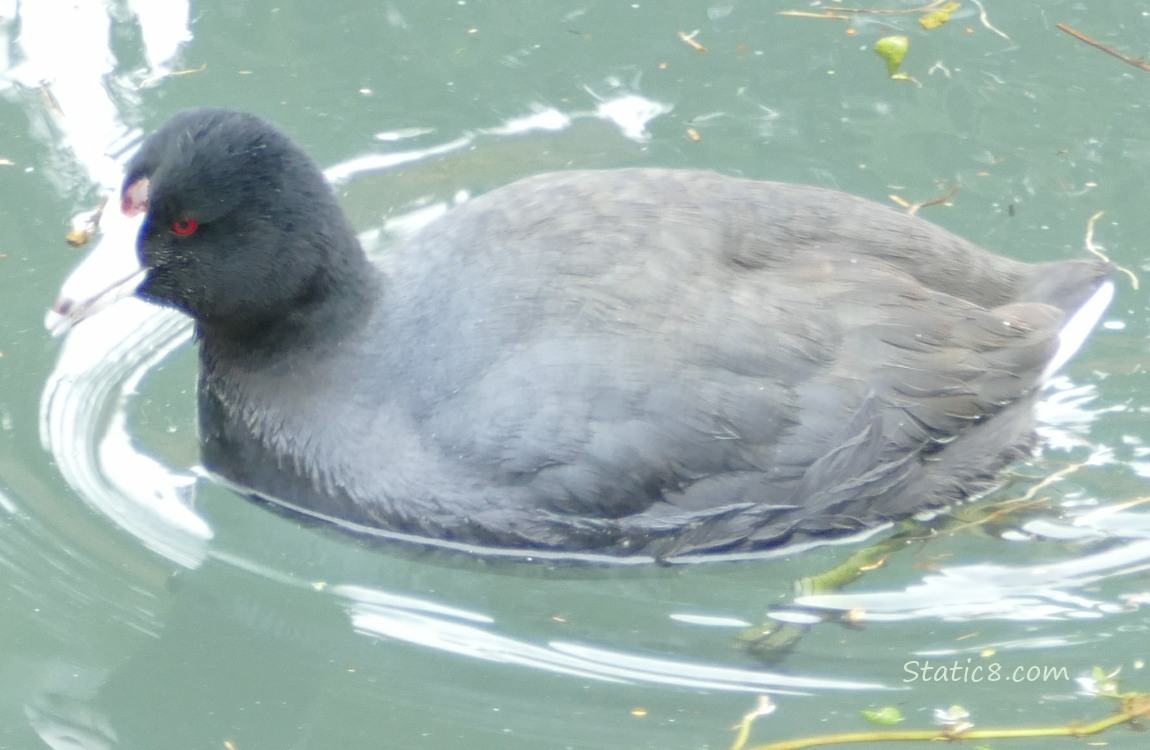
[(1137, 62), (50, 99), (912, 208), (764, 707), (809, 14), (690, 40), (1048, 480), (935, 201), (931, 6), (1096, 250), (170, 74), (986, 21)]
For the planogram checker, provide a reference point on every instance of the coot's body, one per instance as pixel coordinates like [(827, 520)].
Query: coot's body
[(623, 362)]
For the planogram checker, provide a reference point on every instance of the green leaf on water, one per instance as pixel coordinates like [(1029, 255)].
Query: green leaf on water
[(938, 17), (886, 716), (892, 49)]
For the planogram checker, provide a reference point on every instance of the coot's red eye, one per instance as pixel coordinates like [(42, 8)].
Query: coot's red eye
[(184, 227)]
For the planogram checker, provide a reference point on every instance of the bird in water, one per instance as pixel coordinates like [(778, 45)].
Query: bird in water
[(657, 363)]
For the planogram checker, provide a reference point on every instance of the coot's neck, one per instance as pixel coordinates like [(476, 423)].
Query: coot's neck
[(337, 303)]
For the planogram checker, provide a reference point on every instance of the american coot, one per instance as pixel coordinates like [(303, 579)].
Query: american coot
[(630, 362)]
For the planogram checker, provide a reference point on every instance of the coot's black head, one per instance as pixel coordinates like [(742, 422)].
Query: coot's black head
[(240, 230)]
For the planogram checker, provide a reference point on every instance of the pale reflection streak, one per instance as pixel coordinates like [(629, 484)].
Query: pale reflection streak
[(85, 98), (1028, 593), (415, 621)]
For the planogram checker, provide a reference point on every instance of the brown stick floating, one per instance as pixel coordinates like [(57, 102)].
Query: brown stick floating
[(1137, 62)]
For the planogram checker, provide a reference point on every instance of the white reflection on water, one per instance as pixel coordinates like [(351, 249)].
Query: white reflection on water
[(62, 54), (1065, 414), (6, 505), (64, 723), (475, 635), (97, 372), (383, 614), (1010, 592)]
